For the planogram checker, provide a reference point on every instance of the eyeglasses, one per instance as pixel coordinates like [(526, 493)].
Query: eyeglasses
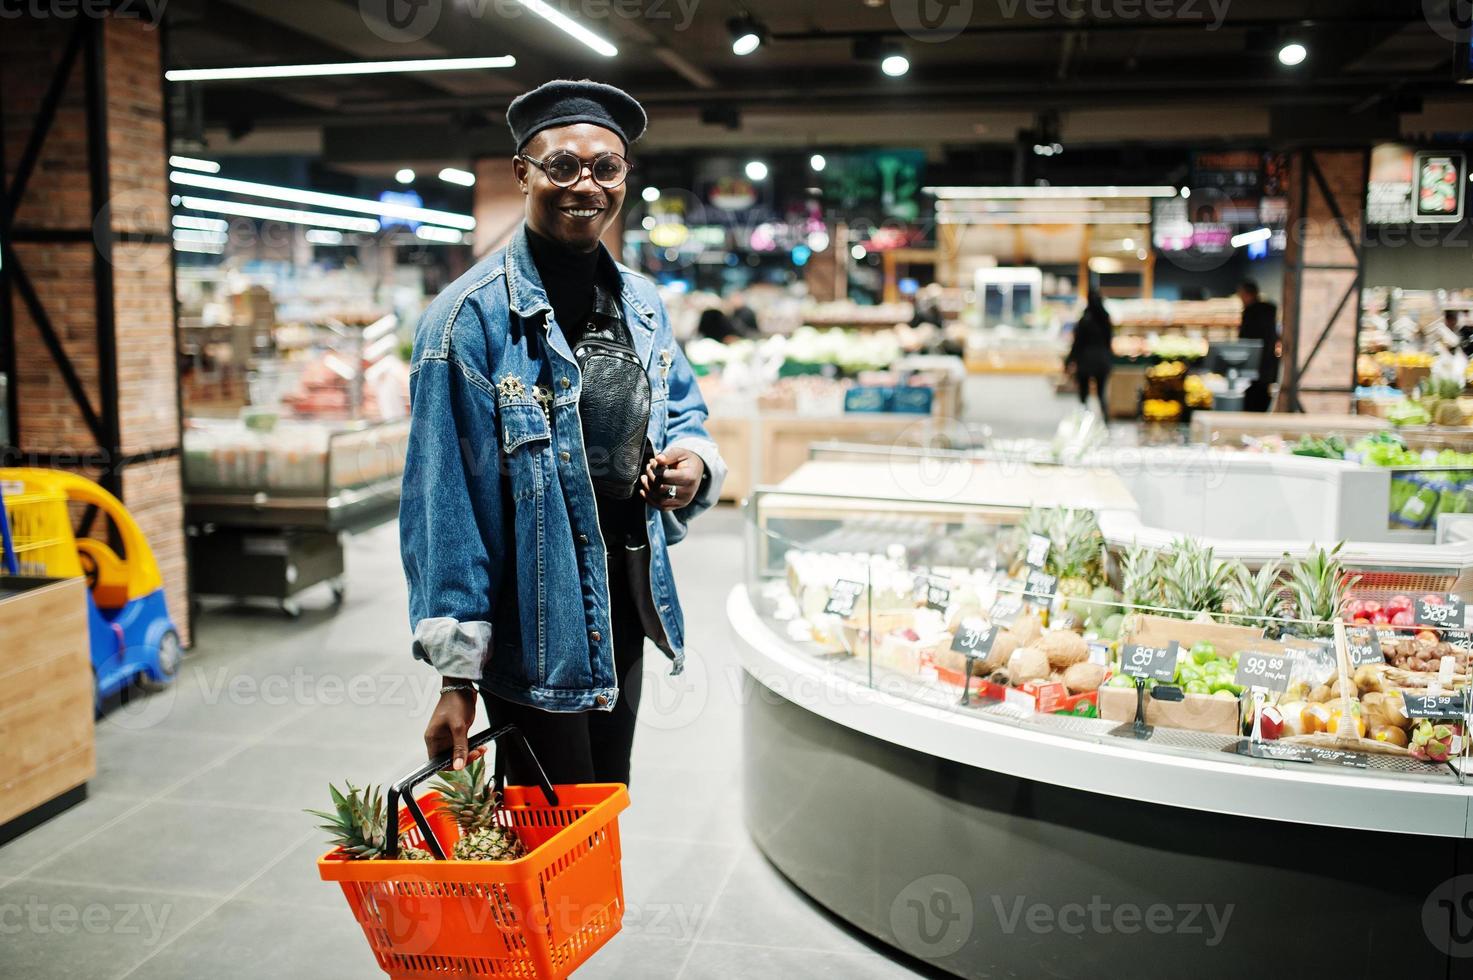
[(564, 168)]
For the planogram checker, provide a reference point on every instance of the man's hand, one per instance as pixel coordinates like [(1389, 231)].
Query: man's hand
[(450, 725), (678, 468)]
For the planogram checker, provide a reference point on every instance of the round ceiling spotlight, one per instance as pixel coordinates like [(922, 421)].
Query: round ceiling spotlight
[(895, 65), (1292, 54), (747, 35), (756, 170)]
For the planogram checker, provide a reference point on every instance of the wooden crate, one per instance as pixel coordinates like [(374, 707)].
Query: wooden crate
[(46, 693)]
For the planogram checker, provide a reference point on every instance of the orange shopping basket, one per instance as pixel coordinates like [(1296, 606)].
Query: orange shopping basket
[(539, 916)]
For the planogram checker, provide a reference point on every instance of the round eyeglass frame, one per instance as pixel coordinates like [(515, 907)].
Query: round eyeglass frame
[(583, 165)]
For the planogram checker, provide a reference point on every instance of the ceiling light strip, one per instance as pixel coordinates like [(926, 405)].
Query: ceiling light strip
[(1036, 193), (298, 196), (570, 26), (342, 68), (342, 222)]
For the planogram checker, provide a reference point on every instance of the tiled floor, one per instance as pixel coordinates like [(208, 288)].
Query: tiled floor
[(192, 857)]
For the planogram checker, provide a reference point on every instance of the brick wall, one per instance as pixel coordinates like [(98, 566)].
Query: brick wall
[(58, 199), (1317, 239)]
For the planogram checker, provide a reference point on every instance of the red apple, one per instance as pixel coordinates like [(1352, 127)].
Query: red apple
[(1355, 609), (1380, 618), (1371, 607), (1272, 724), (1399, 602), (1402, 617)]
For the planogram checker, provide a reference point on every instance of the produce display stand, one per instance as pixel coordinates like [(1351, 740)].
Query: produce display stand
[(253, 534), (1063, 811), (1228, 428), (46, 700)]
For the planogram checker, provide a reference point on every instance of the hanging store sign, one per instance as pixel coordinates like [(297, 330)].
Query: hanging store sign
[(1438, 196), (1389, 190)]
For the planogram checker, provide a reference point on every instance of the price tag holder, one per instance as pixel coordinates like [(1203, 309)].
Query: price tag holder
[(1150, 663), (842, 597), (1006, 609), (1450, 613), (1038, 549), (1039, 586), (1436, 706), (1269, 671), (1363, 646), (938, 595), (975, 641)]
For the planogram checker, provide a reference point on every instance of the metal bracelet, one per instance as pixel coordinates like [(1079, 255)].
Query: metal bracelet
[(452, 688)]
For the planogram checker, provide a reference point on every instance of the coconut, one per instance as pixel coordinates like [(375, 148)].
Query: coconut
[(1082, 677), (1028, 664), (1064, 648), (1026, 629), (1002, 649)]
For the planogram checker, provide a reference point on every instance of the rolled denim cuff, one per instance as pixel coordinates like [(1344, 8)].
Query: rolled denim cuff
[(453, 648)]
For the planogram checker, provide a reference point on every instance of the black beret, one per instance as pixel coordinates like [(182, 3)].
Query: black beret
[(564, 102)]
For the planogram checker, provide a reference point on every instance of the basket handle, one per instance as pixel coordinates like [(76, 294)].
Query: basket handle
[(404, 788)]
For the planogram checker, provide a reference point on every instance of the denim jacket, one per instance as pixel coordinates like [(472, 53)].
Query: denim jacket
[(499, 532)]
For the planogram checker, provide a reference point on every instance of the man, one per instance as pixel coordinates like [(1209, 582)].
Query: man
[(1260, 322), (557, 446)]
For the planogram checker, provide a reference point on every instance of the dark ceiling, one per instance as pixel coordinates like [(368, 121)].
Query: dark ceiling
[(1205, 71)]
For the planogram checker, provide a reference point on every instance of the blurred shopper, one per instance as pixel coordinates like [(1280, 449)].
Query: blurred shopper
[(1442, 336), (1260, 322), (743, 318), (1090, 357), (557, 447), (716, 325)]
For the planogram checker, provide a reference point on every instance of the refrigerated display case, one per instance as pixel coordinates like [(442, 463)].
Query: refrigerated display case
[(940, 714), (267, 507)]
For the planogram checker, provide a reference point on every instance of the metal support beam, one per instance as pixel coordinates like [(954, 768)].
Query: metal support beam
[(100, 185)]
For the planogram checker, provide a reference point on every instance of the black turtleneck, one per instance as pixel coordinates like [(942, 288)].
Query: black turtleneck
[(568, 276)]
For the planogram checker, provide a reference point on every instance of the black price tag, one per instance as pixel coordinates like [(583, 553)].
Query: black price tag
[(1450, 613), (1039, 585), (975, 641), (1150, 663), (1006, 609), (842, 597), (1269, 671), (938, 595), (1282, 752), (1363, 645), (1038, 549), (1461, 639), (1320, 653), (1436, 706)]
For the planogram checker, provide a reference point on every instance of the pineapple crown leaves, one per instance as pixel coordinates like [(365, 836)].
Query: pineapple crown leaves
[(468, 795), (1194, 581), (1319, 584), (1254, 596), (359, 822)]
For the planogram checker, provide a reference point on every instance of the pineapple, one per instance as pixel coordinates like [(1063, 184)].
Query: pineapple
[(1140, 579), (359, 826), (1254, 597), (1075, 555), (468, 796), (1318, 586), (1194, 582)]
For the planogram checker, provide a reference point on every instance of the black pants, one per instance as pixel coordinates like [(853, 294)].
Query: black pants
[(1100, 378), (1255, 397), (585, 746)]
